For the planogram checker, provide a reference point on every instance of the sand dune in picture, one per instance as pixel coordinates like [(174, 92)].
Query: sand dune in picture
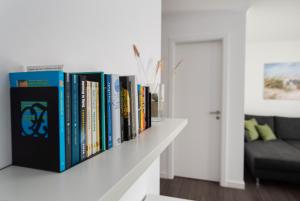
[(280, 94)]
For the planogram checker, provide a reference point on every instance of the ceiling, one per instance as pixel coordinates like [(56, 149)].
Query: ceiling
[(267, 20)]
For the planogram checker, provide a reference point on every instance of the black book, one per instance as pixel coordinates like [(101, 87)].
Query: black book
[(147, 107), (125, 108), (149, 113), (68, 120), (42, 150)]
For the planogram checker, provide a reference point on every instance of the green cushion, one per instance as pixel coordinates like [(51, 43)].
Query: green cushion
[(251, 133), (265, 132)]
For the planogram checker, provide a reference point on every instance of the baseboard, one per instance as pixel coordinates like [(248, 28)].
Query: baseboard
[(164, 175), (234, 184)]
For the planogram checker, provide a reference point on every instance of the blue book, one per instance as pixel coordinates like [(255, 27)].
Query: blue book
[(75, 119), (139, 107), (41, 99), (109, 139), (102, 111)]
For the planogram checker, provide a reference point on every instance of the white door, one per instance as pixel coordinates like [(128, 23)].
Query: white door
[(198, 98)]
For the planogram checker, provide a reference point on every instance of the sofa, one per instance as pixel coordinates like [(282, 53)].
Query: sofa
[(276, 159)]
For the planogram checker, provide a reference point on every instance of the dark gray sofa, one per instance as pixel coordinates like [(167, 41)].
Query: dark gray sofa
[(278, 159)]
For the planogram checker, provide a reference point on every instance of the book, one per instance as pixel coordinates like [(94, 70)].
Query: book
[(88, 132), (75, 119), (68, 120), (146, 116), (45, 68), (94, 117), (115, 103), (38, 120), (133, 106), (109, 140), (97, 119), (99, 77), (102, 112), (149, 109), (139, 107), (142, 99), (82, 117), (125, 108)]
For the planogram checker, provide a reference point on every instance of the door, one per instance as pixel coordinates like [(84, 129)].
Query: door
[(197, 88)]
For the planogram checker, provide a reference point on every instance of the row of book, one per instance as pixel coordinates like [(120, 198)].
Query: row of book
[(60, 119)]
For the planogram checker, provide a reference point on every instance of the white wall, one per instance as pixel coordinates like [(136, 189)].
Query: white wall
[(82, 35), (212, 23), (257, 54)]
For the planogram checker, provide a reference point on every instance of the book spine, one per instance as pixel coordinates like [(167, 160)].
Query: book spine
[(68, 120), (139, 107), (146, 107), (142, 109), (128, 103), (75, 121), (115, 99), (109, 118), (94, 118), (88, 119), (97, 118), (62, 145), (102, 102), (125, 107), (122, 127), (133, 107), (82, 119), (150, 115)]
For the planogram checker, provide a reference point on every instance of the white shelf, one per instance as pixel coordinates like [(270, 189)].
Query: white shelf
[(105, 177)]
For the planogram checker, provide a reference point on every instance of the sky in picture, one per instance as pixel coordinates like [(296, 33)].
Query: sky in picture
[(282, 69)]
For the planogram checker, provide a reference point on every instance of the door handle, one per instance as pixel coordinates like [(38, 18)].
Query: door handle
[(215, 112)]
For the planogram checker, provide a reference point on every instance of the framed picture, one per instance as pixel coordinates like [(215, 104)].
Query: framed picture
[(282, 81)]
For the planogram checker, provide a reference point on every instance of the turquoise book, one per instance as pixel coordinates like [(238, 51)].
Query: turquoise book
[(38, 120)]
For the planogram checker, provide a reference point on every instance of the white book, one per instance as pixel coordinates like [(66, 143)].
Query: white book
[(134, 106), (88, 119), (94, 117), (115, 102), (45, 68)]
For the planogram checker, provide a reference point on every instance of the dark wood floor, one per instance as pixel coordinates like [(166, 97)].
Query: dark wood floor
[(209, 191)]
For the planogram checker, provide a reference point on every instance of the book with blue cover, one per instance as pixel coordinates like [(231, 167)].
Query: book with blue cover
[(38, 120), (109, 137)]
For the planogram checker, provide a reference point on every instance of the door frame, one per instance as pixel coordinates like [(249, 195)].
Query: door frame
[(171, 50)]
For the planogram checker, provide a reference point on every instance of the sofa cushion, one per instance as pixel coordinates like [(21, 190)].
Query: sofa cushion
[(251, 133), (272, 155), (295, 143), (262, 120), (265, 132), (287, 128)]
